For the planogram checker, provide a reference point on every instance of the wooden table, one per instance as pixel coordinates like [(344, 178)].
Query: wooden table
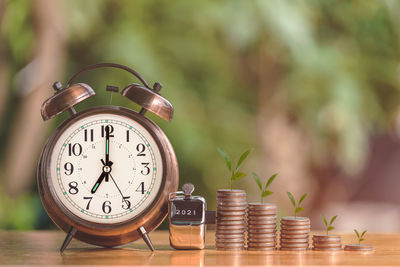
[(41, 248)]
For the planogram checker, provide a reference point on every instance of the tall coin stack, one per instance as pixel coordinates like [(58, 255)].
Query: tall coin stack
[(261, 226), (327, 242), (231, 219), (294, 233)]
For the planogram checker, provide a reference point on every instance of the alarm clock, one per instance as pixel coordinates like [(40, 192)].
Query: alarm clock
[(105, 173)]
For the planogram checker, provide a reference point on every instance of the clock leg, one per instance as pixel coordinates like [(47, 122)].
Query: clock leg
[(146, 238), (68, 239)]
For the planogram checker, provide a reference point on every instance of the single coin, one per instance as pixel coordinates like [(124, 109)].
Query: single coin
[(230, 213), (225, 236), (358, 247), (261, 213), (326, 242), (326, 238), (294, 245), (261, 240), (230, 218), (231, 249), (327, 249), (260, 236), (294, 232), (294, 224), (293, 249), (331, 245), (231, 227), (229, 240), (295, 219), (259, 231), (226, 223), (231, 208), (230, 232), (267, 217), (294, 240), (231, 191), (262, 206), (295, 227), (262, 244), (289, 236), (259, 249)]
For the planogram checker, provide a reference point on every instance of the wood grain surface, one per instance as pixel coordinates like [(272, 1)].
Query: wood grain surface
[(41, 248)]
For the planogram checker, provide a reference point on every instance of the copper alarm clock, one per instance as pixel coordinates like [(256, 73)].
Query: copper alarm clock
[(105, 173)]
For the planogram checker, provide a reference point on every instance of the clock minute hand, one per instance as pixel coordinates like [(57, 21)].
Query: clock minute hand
[(119, 190)]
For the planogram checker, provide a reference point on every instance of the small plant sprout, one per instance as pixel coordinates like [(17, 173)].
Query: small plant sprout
[(360, 237), (297, 207), (235, 173), (329, 226), (264, 191)]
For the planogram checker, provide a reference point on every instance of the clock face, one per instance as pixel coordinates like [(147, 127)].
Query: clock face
[(106, 168)]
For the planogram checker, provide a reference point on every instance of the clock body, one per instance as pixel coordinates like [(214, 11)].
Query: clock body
[(109, 210)]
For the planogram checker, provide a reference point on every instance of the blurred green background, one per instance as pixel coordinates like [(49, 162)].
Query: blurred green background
[(312, 86)]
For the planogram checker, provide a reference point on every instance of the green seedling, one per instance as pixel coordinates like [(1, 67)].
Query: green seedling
[(234, 171), (297, 207), (264, 190), (328, 226), (360, 237)]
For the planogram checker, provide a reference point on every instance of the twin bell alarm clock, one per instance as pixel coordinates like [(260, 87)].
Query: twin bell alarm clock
[(105, 173)]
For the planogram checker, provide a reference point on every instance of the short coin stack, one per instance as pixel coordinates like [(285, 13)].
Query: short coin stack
[(294, 233), (327, 242), (261, 226), (231, 219), (359, 247)]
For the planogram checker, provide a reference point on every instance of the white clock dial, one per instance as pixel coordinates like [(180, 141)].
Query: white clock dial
[(101, 189)]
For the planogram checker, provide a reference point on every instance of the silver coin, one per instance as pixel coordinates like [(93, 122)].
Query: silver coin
[(295, 219), (295, 232), (358, 247), (294, 240)]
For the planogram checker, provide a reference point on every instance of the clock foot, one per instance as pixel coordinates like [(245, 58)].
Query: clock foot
[(146, 238), (68, 239)]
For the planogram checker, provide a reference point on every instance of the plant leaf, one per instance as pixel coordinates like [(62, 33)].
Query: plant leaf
[(363, 233), (325, 221), (333, 219), (291, 198), (357, 234), (266, 193), (225, 156), (270, 180), (258, 181), (330, 228), (242, 158), (362, 239), (298, 209), (238, 175), (302, 198)]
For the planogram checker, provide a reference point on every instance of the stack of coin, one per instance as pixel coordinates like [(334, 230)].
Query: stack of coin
[(359, 247), (294, 233), (327, 242), (261, 226), (231, 219)]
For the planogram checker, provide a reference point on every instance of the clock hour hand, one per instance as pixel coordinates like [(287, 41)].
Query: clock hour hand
[(104, 174)]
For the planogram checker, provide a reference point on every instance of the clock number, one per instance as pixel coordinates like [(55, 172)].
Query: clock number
[(69, 168), (146, 170), (73, 188), (140, 188), (86, 135), (75, 149), (107, 207), (126, 204), (127, 136), (103, 130), (88, 204), (140, 148)]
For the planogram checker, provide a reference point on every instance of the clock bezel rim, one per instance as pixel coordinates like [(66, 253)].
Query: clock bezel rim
[(151, 217)]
